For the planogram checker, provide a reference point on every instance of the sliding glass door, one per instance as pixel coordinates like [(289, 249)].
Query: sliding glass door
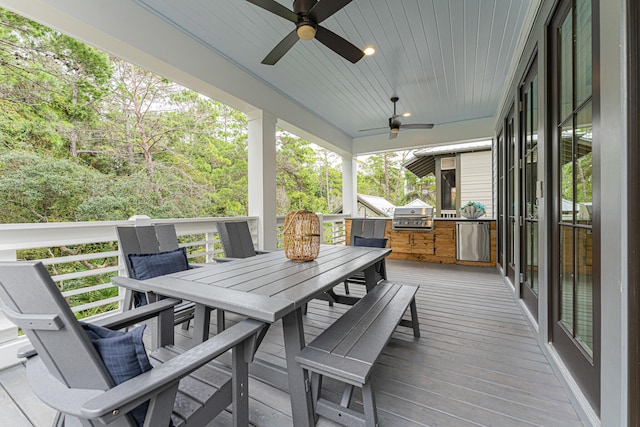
[(575, 281), (529, 285)]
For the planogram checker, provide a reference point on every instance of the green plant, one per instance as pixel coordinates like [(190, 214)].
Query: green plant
[(476, 205)]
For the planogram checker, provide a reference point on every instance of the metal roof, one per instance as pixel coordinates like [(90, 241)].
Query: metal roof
[(423, 162)]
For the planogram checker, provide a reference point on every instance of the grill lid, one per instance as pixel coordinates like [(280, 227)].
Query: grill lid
[(413, 211)]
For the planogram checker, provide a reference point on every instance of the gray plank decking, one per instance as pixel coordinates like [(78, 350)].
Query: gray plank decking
[(477, 363)]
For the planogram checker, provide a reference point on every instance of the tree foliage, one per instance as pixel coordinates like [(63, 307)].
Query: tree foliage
[(89, 137)]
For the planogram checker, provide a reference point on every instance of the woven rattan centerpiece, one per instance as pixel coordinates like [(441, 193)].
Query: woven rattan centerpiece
[(301, 236)]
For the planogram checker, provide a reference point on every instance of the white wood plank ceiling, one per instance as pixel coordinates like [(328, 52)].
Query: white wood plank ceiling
[(447, 60)]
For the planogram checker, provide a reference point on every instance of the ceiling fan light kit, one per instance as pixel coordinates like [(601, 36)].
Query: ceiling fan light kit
[(307, 15), (306, 32)]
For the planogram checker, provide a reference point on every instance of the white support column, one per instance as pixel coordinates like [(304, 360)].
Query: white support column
[(349, 186), (262, 175)]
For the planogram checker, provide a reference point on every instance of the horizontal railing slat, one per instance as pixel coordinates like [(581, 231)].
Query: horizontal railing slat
[(85, 273), (88, 289)]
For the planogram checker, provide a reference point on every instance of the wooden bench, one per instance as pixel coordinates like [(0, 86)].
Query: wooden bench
[(348, 349)]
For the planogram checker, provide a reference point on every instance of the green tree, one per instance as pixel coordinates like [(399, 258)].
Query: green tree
[(51, 85)]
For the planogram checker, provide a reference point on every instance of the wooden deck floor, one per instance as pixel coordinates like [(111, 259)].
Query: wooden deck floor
[(476, 364)]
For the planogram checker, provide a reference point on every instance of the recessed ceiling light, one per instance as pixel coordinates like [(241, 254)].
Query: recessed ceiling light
[(407, 114), (369, 51)]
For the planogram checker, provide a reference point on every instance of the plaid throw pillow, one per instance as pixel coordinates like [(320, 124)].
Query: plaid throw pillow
[(146, 266), (123, 355)]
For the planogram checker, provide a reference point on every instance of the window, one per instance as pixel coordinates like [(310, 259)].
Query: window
[(448, 189)]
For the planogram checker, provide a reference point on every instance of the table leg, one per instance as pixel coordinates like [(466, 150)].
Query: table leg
[(370, 279), (201, 319), (299, 389)]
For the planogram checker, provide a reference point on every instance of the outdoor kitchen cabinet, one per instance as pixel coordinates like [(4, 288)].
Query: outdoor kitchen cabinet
[(413, 242), (437, 245)]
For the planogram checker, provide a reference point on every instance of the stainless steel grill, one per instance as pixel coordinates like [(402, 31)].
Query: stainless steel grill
[(416, 218)]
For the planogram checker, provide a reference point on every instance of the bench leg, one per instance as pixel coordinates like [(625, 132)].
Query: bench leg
[(369, 403), (414, 318)]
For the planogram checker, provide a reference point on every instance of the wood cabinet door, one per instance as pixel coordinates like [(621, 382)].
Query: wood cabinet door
[(401, 241), (422, 243)]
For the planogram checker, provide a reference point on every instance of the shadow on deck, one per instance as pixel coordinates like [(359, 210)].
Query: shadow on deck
[(477, 363)]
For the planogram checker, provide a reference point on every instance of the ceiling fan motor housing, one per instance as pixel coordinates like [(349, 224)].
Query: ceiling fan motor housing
[(302, 7)]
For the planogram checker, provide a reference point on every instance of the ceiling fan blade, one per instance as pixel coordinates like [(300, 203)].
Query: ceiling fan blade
[(276, 8), (393, 135), (417, 126), (281, 48), (339, 45), (367, 130), (325, 8)]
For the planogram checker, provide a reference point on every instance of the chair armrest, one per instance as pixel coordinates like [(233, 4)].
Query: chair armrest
[(120, 320), (137, 315), (130, 394), (100, 404)]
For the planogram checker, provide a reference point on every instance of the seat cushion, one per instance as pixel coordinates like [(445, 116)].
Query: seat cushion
[(123, 355), (146, 266), (371, 242)]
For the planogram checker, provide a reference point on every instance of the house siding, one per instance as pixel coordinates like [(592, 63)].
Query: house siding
[(476, 179)]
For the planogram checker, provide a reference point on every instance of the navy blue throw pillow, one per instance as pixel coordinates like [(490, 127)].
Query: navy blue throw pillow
[(123, 355), (371, 242), (146, 266)]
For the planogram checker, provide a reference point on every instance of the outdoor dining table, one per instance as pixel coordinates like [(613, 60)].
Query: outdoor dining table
[(268, 288)]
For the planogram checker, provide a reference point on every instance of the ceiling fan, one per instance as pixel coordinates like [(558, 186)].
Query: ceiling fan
[(307, 15), (395, 125)]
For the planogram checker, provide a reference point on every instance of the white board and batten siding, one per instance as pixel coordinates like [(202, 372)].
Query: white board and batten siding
[(476, 173)]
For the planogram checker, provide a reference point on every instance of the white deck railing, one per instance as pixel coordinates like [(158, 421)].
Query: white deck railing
[(83, 256)]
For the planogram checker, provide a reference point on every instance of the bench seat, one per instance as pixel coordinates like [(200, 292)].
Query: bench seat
[(349, 348)]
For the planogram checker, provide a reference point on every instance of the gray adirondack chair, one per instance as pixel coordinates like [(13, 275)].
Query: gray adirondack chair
[(150, 239), (367, 228), (67, 373), (236, 240)]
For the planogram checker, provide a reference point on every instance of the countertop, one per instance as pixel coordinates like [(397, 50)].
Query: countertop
[(464, 219), (435, 219)]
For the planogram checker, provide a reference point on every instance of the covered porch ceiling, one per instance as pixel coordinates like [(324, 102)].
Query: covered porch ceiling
[(449, 62)]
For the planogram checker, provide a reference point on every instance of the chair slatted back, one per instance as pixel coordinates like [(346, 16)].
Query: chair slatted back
[(367, 228), (236, 239), (146, 239), (32, 300)]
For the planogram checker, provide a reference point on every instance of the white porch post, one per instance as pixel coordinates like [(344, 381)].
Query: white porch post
[(262, 175), (349, 186)]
